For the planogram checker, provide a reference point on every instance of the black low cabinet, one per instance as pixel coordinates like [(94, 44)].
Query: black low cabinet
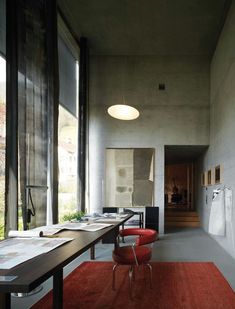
[(152, 218), (110, 210), (110, 238)]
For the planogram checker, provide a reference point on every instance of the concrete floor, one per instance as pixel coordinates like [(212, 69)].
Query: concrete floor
[(191, 244)]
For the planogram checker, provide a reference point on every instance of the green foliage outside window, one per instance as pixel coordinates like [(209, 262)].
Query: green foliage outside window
[(73, 216)]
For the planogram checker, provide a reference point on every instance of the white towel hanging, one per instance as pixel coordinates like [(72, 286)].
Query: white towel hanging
[(228, 199), (217, 214)]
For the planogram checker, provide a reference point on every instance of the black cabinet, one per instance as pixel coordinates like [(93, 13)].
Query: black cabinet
[(152, 218), (111, 237), (110, 209)]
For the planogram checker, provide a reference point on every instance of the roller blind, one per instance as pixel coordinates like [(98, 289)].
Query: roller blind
[(67, 76)]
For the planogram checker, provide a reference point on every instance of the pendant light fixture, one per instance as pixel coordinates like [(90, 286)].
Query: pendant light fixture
[(123, 112)]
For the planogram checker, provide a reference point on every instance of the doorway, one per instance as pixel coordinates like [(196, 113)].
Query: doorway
[(180, 186)]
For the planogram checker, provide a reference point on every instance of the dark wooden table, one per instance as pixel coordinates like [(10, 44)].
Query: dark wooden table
[(32, 273)]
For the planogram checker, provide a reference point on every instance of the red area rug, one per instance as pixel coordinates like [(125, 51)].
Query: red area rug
[(175, 285)]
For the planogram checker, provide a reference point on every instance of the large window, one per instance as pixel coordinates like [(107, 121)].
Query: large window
[(67, 153), (2, 139), (31, 161), (34, 118), (2, 112), (68, 128)]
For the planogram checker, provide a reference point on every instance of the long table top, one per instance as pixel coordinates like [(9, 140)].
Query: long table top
[(35, 271)]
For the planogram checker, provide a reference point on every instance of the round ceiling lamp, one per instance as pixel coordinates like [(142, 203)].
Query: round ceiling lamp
[(123, 112)]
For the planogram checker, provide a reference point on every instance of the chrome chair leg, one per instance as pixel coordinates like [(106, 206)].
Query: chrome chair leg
[(151, 274), (130, 280), (114, 271), (133, 273)]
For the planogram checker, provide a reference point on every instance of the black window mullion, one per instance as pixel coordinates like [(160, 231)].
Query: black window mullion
[(11, 192)]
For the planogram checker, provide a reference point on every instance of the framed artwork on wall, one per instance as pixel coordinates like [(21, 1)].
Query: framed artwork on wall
[(209, 178), (129, 177), (203, 179), (217, 174)]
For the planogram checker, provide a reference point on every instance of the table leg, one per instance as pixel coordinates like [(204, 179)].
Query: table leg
[(92, 253), (5, 300), (123, 238), (142, 219), (116, 244), (58, 289)]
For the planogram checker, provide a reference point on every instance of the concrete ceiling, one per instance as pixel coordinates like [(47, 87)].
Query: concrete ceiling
[(147, 27), (183, 154)]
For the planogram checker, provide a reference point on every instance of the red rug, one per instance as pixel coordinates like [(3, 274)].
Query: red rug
[(175, 285)]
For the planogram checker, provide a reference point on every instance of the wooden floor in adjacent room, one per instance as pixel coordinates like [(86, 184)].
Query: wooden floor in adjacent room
[(181, 218)]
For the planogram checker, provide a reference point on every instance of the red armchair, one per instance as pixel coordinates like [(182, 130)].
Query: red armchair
[(136, 254)]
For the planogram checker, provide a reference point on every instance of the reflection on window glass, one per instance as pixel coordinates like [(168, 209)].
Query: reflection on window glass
[(67, 153), (68, 127), (2, 140)]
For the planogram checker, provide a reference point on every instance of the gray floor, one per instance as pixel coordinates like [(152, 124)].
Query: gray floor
[(175, 245)]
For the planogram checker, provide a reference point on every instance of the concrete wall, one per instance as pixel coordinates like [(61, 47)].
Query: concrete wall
[(177, 116), (222, 126)]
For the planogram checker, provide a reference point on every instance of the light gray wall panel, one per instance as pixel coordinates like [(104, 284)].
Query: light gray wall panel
[(222, 126), (177, 116)]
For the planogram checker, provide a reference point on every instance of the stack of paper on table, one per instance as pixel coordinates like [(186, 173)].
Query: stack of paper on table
[(109, 220), (50, 230), (77, 226)]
